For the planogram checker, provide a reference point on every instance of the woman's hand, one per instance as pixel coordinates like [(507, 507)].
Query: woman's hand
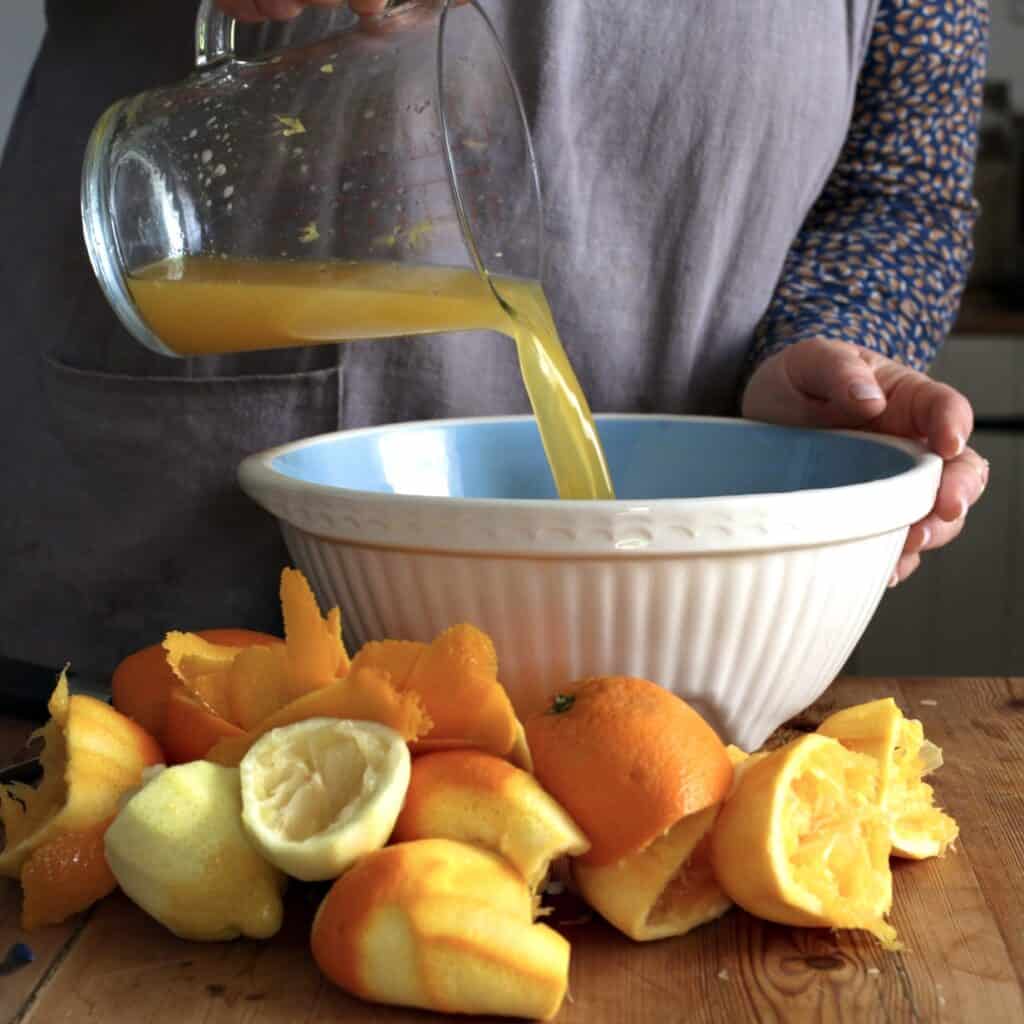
[(283, 10), (822, 383)]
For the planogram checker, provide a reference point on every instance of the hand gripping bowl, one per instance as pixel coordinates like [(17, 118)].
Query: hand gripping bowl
[(738, 567)]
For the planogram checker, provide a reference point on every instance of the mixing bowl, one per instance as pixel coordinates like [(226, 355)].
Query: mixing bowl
[(738, 567)]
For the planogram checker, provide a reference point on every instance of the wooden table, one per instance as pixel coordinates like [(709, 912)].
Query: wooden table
[(961, 919)]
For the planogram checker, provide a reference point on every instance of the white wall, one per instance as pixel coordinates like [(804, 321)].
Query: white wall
[(21, 29), (1006, 46)]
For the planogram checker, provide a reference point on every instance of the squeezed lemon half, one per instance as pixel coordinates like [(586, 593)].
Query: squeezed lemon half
[(321, 793)]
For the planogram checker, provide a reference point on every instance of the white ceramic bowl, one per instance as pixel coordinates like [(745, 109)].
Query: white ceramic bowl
[(738, 568)]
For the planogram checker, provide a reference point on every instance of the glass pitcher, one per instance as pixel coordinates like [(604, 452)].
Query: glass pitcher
[(345, 186)]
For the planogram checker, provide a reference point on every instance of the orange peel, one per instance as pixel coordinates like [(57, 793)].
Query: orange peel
[(64, 876), (627, 759), (456, 675), (92, 755), (479, 798), (668, 888), (316, 654), (143, 682), (366, 695), (202, 667), (396, 657), (803, 841), (192, 729), (245, 685), (258, 684), (444, 926)]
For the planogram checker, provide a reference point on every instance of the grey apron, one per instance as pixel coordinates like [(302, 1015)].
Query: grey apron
[(681, 145)]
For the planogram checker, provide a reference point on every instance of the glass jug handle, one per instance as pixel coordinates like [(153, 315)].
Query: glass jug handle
[(215, 35)]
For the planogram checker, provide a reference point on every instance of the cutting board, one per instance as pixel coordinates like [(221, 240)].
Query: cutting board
[(959, 917)]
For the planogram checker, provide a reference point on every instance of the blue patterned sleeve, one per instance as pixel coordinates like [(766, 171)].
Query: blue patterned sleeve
[(883, 255)]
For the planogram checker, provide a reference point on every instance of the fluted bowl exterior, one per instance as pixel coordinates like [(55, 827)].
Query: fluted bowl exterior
[(738, 567)]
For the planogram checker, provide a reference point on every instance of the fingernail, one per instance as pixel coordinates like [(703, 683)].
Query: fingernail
[(865, 392), (926, 536), (984, 471), (961, 444), (961, 508), (894, 579)]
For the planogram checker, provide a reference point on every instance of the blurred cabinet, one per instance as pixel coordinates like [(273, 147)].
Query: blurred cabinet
[(962, 612)]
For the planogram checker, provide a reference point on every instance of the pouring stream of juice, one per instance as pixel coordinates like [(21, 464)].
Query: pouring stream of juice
[(200, 304)]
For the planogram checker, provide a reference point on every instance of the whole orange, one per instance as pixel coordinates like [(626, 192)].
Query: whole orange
[(143, 681), (627, 759)]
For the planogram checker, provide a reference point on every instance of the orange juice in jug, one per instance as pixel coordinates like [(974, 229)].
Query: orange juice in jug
[(205, 304)]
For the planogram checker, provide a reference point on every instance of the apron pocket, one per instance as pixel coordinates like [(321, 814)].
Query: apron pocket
[(155, 533)]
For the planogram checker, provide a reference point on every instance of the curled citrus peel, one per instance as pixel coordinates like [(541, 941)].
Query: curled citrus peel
[(91, 755), (456, 677), (440, 696), (192, 729), (316, 653), (145, 688), (245, 685), (364, 694)]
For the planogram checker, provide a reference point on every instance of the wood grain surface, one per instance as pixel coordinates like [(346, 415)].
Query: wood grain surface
[(959, 917)]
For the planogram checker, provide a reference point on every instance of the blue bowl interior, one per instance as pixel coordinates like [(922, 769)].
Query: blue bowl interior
[(649, 458)]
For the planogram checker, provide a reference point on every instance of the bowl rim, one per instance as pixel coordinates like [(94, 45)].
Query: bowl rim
[(743, 522)]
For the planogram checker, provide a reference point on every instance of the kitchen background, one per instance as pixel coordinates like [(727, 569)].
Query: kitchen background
[(963, 612)]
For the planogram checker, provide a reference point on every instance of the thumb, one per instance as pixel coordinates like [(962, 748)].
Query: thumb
[(815, 383)]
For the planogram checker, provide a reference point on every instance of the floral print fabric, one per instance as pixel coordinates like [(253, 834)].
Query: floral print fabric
[(882, 258)]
